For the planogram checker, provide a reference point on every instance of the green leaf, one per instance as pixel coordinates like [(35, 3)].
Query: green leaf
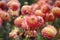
[(40, 37)]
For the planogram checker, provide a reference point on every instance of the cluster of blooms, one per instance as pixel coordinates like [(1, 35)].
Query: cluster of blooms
[(32, 17), (8, 9)]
